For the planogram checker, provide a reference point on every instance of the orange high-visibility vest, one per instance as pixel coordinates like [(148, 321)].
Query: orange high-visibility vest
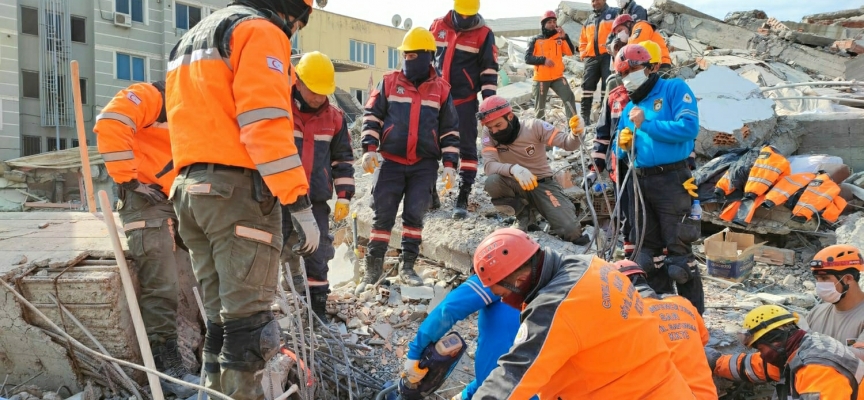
[(786, 188), (818, 196), (643, 31), (553, 48), (769, 167)]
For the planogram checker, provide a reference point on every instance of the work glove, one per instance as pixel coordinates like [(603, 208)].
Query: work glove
[(370, 161), (690, 187), (625, 139), (526, 179), (448, 177), (600, 165), (152, 192), (341, 211), (412, 372), (304, 224), (713, 356), (589, 179), (577, 126)]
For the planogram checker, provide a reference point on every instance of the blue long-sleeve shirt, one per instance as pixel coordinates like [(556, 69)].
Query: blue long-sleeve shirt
[(497, 326)]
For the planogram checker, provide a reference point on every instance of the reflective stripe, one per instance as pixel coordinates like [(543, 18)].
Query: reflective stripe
[(601, 141), (318, 283), (134, 225), (429, 103), (687, 112), (253, 116), (372, 118), (335, 163), (371, 133), (298, 134), (598, 155), (781, 191), (399, 99), (820, 194), (441, 44), (452, 133), (480, 292), (792, 182), (253, 234), (489, 87), (324, 138), (733, 369), (450, 149), (759, 180), (198, 55), (768, 167), (489, 71), (808, 206), (118, 156), (280, 165), (468, 48), (117, 117), (492, 149), (555, 132), (343, 181), (748, 369), (380, 236), (410, 232)]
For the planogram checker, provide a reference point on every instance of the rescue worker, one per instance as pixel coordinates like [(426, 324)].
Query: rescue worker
[(132, 136), (682, 328), (467, 59), (807, 365), (518, 176), (630, 7), (593, 52), (580, 322), (235, 158), (656, 133), (411, 121), (631, 31), (546, 53), (324, 145), (496, 327)]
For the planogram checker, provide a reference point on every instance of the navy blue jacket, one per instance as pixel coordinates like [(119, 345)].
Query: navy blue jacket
[(467, 59)]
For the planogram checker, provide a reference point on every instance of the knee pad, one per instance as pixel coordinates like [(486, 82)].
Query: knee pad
[(678, 268), (645, 261), (250, 342), (213, 340)]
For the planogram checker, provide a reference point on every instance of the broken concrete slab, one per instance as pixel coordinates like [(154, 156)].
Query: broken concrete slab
[(769, 298), (809, 39), (677, 42), (830, 65), (833, 15), (851, 230), (709, 31), (835, 32), (417, 292), (849, 45), (835, 133), (517, 93), (383, 329), (759, 75), (724, 61), (670, 6), (854, 69), (573, 29), (789, 74), (577, 11)]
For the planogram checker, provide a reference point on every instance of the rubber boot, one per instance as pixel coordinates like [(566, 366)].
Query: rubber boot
[(173, 364), (213, 340), (318, 302), (460, 211), (406, 271), (374, 268)]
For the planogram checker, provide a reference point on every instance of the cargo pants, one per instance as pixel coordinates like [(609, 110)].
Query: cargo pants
[(467, 113), (547, 198), (597, 70), (316, 264), (234, 242), (562, 89), (150, 235)]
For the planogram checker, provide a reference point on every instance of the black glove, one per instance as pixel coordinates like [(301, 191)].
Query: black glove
[(304, 224), (713, 356), (677, 269), (152, 192), (601, 164)]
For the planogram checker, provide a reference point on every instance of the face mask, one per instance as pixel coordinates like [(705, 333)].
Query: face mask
[(508, 135), (464, 23), (827, 291), (775, 356), (417, 70), (634, 80), (517, 297), (623, 36)]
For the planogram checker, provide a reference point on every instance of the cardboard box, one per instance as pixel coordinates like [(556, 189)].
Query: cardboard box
[(723, 257)]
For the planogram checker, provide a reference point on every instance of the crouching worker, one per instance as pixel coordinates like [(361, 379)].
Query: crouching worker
[(585, 333), (411, 121), (518, 176), (324, 146)]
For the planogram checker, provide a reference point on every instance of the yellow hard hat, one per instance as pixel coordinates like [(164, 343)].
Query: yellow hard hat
[(764, 319), (653, 50), (466, 7), (316, 71), (418, 39)]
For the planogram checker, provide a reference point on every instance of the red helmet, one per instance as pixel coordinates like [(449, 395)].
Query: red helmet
[(621, 20), (628, 268), (547, 15), (493, 107), (630, 56), (501, 253)]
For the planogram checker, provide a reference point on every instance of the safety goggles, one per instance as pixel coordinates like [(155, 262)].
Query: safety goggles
[(483, 114)]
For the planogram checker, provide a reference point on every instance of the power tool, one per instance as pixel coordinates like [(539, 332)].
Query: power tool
[(439, 358)]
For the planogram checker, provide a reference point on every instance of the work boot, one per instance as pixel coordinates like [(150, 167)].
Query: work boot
[(374, 268), (299, 284), (461, 209), (406, 271), (318, 302), (171, 363), (436, 202)]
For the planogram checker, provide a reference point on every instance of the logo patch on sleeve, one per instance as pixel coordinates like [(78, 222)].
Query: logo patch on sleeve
[(521, 334), (486, 140), (688, 98), (547, 126), (133, 98), (276, 65), (658, 104)]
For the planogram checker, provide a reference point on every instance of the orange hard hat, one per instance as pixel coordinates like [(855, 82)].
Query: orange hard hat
[(628, 267), (836, 258), (501, 253), (548, 15)]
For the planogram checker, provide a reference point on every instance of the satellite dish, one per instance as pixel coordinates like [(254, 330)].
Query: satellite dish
[(408, 23), (321, 3), (396, 20)]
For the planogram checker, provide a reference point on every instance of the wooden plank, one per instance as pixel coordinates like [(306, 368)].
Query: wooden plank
[(68, 206), (784, 256)]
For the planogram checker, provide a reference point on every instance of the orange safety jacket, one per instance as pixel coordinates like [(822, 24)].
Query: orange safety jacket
[(132, 136), (787, 191), (685, 333), (553, 48), (821, 196), (769, 167), (229, 99), (576, 340), (644, 31), (595, 30)]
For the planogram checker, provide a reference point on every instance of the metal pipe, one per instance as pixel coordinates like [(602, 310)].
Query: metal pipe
[(843, 99), (818, 83)]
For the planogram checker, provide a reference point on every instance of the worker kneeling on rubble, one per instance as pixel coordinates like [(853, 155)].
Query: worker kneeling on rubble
[(682, 328), (585, 332), (518, 176), (807, 365), (411, 120), (656, 133), (324, 145), (132, 136), (229, 111)]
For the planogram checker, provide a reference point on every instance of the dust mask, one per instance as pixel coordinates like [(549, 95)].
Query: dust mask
[(633, 80), (827, 291), (623, 36)]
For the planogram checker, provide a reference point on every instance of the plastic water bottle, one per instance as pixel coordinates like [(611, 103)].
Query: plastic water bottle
[(696, 211)]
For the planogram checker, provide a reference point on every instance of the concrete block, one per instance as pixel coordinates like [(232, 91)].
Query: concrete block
[(849, 46), (670, 6), (573, 29), (833, 15), (837, 134), (789, 74), (824, 63), (710, 32), (517, 93), (835, 32), (677, 42), (417, 292), (803, 300), (809, 39), (577, 11), (769, 298)]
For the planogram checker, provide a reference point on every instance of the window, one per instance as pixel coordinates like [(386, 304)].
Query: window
[(394, 56), (135, 8), (362, 52), (30, 84), (130, 68), (185, 17), (74, 143), (29, 21), (78, 29), (83, 84), (360, 95), (30, 145), (52, 144)]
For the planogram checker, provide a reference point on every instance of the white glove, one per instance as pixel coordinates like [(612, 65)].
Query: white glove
[(525, 178), (412, 372), (448, 177), (590, 179), (370, 161), (304, 224)]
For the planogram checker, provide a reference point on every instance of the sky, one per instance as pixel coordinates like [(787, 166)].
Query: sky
[(422, 12)]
